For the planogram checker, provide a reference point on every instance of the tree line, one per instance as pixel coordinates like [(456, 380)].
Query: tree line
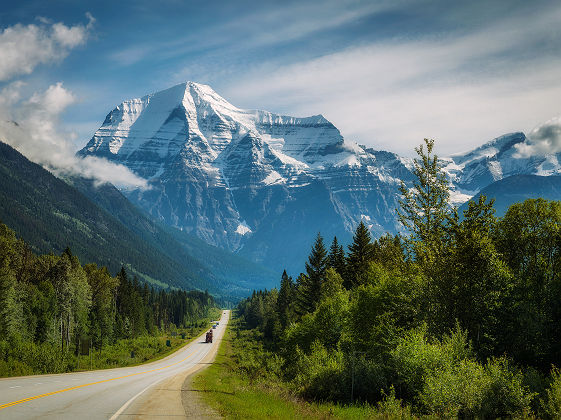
[(460, 318), (53, 300)]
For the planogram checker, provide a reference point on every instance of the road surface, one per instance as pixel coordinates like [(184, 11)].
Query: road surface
[(149, 390)]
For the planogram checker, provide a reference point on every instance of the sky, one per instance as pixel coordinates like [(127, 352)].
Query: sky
[(386, 73)]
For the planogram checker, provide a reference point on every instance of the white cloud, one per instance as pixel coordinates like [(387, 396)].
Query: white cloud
[(542, 140), (460, 90), (32, 127), (32, 124), (54, 100), (23, 47)]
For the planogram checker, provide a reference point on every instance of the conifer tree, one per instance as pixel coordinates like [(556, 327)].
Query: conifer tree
[(285, 299), (336, 257), (424, 208), (360, 255), (309, 284)]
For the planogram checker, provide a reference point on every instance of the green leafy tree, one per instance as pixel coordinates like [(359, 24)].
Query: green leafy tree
[(11, 311), (529, 237), (388, 251), (476, 282), (102, 314), (333, 284)]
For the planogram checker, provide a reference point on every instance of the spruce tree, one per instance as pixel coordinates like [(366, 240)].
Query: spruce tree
[(360, 255), (309, 285), (336, 257), (285, 299), (424, 208)]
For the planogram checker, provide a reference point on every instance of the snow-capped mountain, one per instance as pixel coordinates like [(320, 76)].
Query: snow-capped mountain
[(500, 158), (264, 184)]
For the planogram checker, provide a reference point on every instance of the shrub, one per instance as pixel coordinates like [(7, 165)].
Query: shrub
[(551, 405), (416, 357), (391, 407), (469, 389), (320, 374)]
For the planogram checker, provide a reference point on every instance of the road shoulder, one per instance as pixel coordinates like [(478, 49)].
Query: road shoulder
[(174, 396)]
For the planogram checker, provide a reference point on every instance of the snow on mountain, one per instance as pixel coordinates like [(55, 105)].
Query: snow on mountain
[(264, 184), (495, 160)]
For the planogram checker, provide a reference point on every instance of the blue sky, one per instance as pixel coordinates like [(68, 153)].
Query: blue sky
[(386, 73)]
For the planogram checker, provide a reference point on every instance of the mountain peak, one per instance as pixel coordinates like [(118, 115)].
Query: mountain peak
[(193, 116)]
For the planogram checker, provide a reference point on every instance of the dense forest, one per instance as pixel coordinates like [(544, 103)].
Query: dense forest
[(51, 304), (462, 318)]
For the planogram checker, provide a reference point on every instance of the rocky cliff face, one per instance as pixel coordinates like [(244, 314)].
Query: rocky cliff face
[(263, 184)]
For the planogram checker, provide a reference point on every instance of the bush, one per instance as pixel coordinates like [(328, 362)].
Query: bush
[(552, 403), (320, 374), (469, 389), (391, 407), (416, 357)]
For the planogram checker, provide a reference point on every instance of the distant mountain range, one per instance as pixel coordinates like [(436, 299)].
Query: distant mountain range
[(517, 188), (262, 184), (100, 225)]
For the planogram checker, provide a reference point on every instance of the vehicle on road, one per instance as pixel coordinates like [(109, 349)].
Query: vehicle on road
[(209, 337)]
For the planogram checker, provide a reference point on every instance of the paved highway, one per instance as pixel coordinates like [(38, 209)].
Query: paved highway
[(111, 393)]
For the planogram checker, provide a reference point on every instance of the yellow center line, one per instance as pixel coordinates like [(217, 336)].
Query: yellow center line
[(84, 385)]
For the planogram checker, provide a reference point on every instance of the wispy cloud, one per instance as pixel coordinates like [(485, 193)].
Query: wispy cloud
[(464, 88), (260, 27)]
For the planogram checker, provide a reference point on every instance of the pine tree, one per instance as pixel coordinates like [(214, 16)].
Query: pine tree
[(285, 299), (360, 255), (336, 257), (309, 287), (424, 208)]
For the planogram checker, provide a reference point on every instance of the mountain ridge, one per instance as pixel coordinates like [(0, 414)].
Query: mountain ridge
[(99, 224), (241, 179)]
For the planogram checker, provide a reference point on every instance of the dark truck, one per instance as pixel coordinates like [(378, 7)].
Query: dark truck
[(209, 337)]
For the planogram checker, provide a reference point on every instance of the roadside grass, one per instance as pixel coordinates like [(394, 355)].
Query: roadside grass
[(20, 358), (146, 349), (224, 387)]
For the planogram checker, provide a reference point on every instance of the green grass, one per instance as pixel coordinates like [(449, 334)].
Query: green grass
[(19, 357), (146, 349), (230, 392)]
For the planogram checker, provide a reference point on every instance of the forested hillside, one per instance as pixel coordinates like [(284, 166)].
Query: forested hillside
[(100, 225), (48, 303), (460, 319)]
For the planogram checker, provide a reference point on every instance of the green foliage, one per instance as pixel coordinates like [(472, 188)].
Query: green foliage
[(360, 255), (286, 300), (474, 282), (325, 325), (529, 238), (469, 389), (310, 285), (389, 251), (381, 310), (336, 257), (391, 407), (333, 284), (424, 208), (49, 304), (416, 356), (319, 372), (551, 404)]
